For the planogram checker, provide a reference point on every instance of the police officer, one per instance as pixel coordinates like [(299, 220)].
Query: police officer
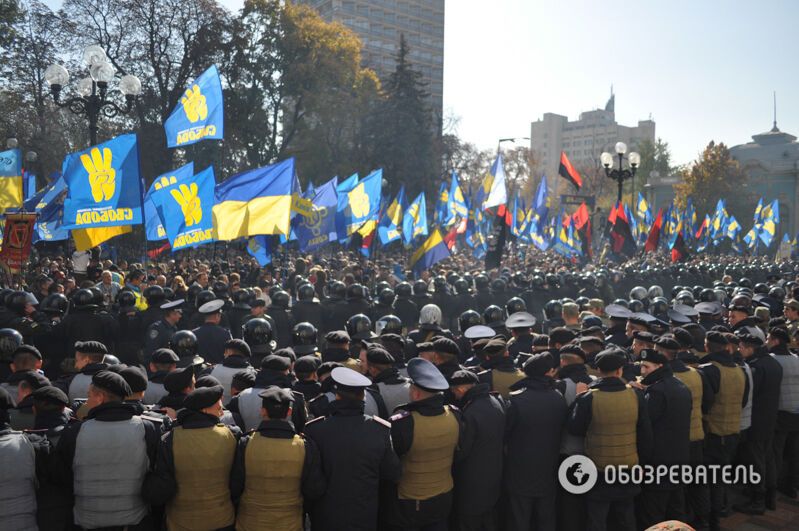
[(28, 321), (258, 335), (386, 378), (113, 442), (520, 325), (239, 312), (425, 433), (89, 356), (195, 465), (668, 402), (617, 333), (373, 401), (483, 297), (498, 370), (429, 325), (307, 309), (614, 421), (478, 468), (307, 380), (24, 359), (162, 362), (304, 339), (237, 358), (384, 305), (349, 440), (275, 371), (535, 419), (177, 384), (787, 428), (160, 332), (357, 301), (155, 297), (283, 321), (131, 332), (184, 344), (404, 307), (281, 469), (338, 349), (211, 337)]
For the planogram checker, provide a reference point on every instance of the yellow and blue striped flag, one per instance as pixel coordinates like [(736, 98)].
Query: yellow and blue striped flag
[(432, 251)]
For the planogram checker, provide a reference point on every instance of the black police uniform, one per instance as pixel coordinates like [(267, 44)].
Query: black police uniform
[(407, 311), (284, 323), (309, 312), (211, 341), (158, 336)]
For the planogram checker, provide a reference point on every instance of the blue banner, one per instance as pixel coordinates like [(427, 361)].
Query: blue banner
[(200, 113), (258, 248), (103, 185), (186, 207), (319, 229), (153, 224)]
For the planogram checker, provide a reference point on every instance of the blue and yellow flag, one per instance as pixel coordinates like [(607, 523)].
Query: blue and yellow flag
[(103, 185), (50, 207), (442, 199), (200, 113), (186, 207), (414, 220), (319, 229), (733, 228), (718, 223), (11, 193), (344, 188), (28, 184), (363, 204), (389, 228), (254, 202), (643, 210), (258, 248), (153, 224), (456, 202), (432, 251)]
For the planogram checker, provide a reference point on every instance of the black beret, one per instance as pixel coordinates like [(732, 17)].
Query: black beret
[(164, 355), (379, 355), (572, 349), (337, 337), (52, 395), (257, 303), (653, 356), (539, 364), (781, 334), (591, 330), (239, 346), (392, 338), (136, 378), (274, 395), (307, 364), (591, 340), (684, 337), (28, 349), (541, 340), (610, 359), (739, 308), (495, 347), (6, 402), (287, 353), (749, 339), (243, 379), (203, 397), (717, 338), (731, 338), (275, 363), (446, 346), (34, 379), (720, 328), (561, 335), (206, 381), (463, 377), (112, 383), (178, 380), (327, 367), (638, 319), (641, 335), (425, 346), (668, 342), (90, 347)]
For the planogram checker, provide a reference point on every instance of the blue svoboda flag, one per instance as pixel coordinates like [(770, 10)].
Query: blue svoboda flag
[(153, 224), (363, 204), (320, 228), (389, 228), (11, 193), (414, 220), (342, 190), (103, 185), (200, 113), (254, 202), (186, 207), (258, 248), (456, 202), (50, 208)]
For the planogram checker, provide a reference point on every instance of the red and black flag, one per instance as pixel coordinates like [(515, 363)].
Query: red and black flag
[(582, 222), (654, 233), (620, 233), (568, 172), (679, 251)]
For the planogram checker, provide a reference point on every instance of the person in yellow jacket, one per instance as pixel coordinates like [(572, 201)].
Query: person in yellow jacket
[(281, 469), (134, 281)]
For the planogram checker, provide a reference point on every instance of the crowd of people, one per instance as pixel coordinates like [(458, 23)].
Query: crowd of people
[(340, 393)]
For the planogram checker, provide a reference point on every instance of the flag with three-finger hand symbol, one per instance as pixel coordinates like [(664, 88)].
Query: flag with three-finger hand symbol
[(103, 185), (199, 114), (186, 208), (153, 224)]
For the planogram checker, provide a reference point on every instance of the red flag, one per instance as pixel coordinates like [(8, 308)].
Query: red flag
[(622, 235), (581, 216), (567, 171), (153, 253), (701, 231), (679, 250), (654, 233), (449, 239), (582, 222)]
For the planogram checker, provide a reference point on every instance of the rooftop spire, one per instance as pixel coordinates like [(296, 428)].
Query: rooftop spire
[(611, 104), (775, 129)]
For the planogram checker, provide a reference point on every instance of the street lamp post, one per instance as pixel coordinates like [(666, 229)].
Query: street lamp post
[(501, 140), (621, 174), (93, 90)]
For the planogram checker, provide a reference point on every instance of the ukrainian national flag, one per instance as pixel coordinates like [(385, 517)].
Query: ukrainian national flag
[(11, 193), (432, 251), (254, 202), (85, 239)]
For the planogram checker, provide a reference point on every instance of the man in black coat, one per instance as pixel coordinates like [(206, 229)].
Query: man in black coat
[(211, 337), (308, 310), (535, 419), (756, 448), (668, 403), (356, 456), (478, 461)]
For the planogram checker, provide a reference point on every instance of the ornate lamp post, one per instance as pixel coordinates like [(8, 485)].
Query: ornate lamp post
[(92, 100), (621, 173)]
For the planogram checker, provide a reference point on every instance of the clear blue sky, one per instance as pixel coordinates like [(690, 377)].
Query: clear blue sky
[(703, 69)]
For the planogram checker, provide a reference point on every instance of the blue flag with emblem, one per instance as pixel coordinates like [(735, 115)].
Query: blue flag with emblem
[(258, 248), (363, 204), (50, 207), (11, 189), (344, 188), (442, 198), (186, 207), (320, 228), (456, 202), (389, 228), (103, 185), (199, 114), (414, 220), (153, 224)]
